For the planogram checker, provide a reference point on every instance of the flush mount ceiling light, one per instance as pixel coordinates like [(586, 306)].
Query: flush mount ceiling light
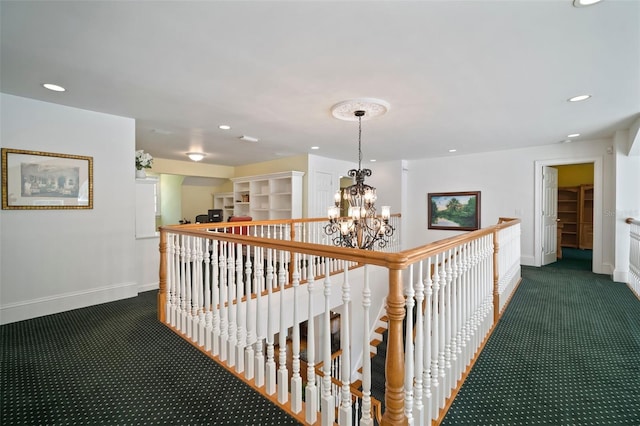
[(452, 150), (573, 135), (315, 147), (195, 156), (54, 87), (579, 98), (583, 3), (224, 127), (248, 138)]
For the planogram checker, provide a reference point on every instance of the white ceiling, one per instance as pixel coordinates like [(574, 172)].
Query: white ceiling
[(471, 75)]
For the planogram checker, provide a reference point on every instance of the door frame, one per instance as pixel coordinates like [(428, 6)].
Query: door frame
[(596, 265)]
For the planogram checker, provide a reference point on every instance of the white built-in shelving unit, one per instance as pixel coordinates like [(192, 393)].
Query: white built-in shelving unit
[(269, 196), (225, 202)]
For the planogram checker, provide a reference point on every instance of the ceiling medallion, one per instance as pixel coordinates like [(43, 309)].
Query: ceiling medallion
[(372, 107)]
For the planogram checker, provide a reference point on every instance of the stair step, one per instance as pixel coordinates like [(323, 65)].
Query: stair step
[(381, 330), (375, 342)]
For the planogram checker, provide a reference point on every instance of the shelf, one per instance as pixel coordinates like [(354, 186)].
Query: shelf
[(271, 196)]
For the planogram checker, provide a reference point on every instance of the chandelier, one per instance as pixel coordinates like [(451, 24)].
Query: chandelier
[(362, 228)]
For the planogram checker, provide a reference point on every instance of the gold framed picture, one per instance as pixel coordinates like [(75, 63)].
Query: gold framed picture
[(35, 180)]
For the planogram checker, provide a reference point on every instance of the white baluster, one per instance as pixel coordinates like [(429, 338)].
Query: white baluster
[(224, 312), (191, 309), (199, 301), (251, 318), (442, 333), (345, 416), (241, 331), (208, 327), (231, 304), (435, 340), (409, 351), (328, 403), (311, 391), (418, 407), (366, 418), (270, 364), (283, 372), (215, 302), (428, 342), (260, 324), (296, 379), (187, 323), (448, 324)]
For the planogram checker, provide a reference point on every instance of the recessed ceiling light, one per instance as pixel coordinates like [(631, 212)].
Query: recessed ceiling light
[(452, 150), (224, 127), (573, 135), (315, 147), (373, 160), (53, 87), (195, 156), (582, 3), (579, 98), (566, 141)]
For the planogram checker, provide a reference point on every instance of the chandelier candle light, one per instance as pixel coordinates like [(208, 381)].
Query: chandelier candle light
[(362, 228)]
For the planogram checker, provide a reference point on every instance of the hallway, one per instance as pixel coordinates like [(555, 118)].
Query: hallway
[(566, 352)]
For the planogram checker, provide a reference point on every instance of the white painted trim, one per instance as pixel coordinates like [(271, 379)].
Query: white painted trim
[(528, 261), (64, 302), (148, 287), (621, 276), (598, 182)]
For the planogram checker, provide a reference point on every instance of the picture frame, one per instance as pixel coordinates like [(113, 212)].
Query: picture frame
[(36, 180), (455, 211)]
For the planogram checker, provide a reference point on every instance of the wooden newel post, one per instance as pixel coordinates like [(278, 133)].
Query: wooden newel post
[(162, 292), (496, 278), (394, 367)]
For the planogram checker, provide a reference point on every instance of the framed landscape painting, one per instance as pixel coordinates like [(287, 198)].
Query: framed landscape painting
[(34, 180), (459, 211)]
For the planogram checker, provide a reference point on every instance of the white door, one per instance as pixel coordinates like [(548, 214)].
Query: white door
[(323, 192), (549, 214)]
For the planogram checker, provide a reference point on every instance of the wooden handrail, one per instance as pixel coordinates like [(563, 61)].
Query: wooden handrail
[(631, 220), (400, 260)]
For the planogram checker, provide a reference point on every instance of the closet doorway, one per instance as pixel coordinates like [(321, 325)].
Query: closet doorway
[(575, 209), (596, 176)]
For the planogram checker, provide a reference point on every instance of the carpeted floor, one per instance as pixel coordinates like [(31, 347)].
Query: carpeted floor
[(115, 364), (566, 352)]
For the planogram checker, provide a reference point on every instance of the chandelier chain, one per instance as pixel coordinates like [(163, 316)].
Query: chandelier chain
[(359, 142)]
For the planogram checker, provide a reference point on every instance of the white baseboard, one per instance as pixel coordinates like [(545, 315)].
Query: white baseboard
[(605, 269), (621, 276), (148, 287), (65, 302), (528, 261)]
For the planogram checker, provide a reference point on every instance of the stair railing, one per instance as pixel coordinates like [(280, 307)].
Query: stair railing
[(238, 298)]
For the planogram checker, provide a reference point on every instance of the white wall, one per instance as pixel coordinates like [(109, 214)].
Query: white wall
[(627, 203), (506, 182), (56, 260)]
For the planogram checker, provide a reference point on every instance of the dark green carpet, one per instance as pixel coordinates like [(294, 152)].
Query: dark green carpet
[(566, 352), (116, 364)]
